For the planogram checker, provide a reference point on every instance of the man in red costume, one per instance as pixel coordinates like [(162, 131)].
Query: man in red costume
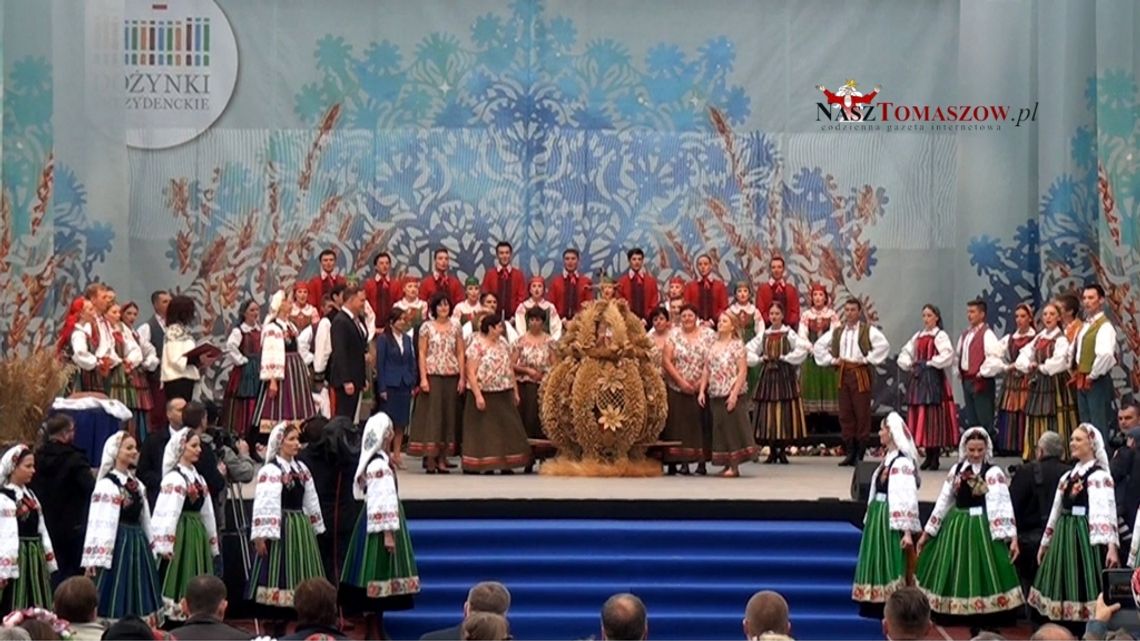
[(507, 282), (707, 293), (778, 289), (441, 280), (321, 285), (637, 286), (382, 290), (569, 289)]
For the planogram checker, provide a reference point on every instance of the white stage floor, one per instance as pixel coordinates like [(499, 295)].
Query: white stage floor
[(804, 479)]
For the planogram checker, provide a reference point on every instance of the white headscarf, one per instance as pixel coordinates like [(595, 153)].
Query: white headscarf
[(110, 453), (377, 431), (1098, 444), (173, 452), (11, 458), (900, 434), (275, 438), (275, 304), (962, 458)]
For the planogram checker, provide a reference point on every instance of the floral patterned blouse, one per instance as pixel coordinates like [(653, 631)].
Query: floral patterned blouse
[(723, 357), (495, 372), (539, 357), (688, 357), (440, 355)]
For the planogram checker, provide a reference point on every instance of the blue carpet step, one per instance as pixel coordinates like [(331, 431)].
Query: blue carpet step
[(694, 576)]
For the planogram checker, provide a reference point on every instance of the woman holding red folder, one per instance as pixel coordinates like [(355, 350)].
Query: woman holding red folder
[(181, 356)]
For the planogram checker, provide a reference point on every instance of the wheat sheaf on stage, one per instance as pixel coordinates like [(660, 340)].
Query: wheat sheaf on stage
[(604, 403)]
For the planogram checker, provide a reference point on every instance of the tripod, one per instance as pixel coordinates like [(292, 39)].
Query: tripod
[(238, 525)]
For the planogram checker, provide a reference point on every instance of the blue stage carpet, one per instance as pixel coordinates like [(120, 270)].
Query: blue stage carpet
[(694, 576)]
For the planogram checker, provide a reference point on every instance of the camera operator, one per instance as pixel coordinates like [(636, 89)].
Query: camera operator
[(1125, 467), (1031, 490), (331, 451), (234, 462)]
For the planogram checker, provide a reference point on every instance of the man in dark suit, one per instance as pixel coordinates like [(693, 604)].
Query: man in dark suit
[(488, 596), (347, 365), (1031, 491), (150, 458), (205, 604)]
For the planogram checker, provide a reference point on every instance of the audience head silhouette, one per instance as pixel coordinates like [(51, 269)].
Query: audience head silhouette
[(624, 619), (488, 596), (1053, 632), (766, 612), (485, 626), (906, 616)]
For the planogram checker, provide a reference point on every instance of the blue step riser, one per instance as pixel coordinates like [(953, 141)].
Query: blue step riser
[(694, 576)]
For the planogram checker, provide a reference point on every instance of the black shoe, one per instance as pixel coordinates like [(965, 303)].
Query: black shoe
[(925, 463), (671, 470), (685, 471), (849, 460), (772, 457), (702, 470), (507, 472), (782, 459)]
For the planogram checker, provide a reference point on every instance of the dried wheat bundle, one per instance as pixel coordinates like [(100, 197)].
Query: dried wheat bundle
[(29, 384)]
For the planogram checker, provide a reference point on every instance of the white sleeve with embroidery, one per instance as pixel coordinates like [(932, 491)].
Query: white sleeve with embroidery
[(1055, 512), (555, 323), (45, 540), (267, 504), (1025, 357), (943, 504), (9, 539), (381, 501), (821, 351), (1102, 509), (149, 355), (81, 353), (272, 353), (800, 349), (312, 502), (167, 511), (210, 521), (902, 497), (133, 354), (102, 526), (754, 350), (1059, 361), (999, 506), (906, 356), (305, 344)]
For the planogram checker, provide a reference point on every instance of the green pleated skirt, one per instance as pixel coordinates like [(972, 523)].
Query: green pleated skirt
[(964, 572), (369, 566), (1068, 580), (33, 588), (192, 557), (882, 567), (290, 559)]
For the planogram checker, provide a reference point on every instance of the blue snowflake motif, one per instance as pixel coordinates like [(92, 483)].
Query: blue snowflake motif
[(738, 105), (665, 59), (607, 54), (309, 103), (382, 56), (333, 53), (718, 54), (562, 32), (487, 30)]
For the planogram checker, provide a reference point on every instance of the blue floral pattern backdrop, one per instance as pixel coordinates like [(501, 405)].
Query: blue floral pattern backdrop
[(364, 126)]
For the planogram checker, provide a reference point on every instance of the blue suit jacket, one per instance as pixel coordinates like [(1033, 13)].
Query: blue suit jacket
[(393, 367)]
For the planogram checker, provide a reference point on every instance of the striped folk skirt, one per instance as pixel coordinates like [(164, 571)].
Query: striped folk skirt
[(130, 587), (820, 388), (33, 588), (289, 560), (1011, 417), (435, 418), (1050, 406), (495, 436), (931, 413), (242, 392), (294, 400), (192, 557), (683, 423), (779, 409), (985, 584), (377, 579), (732, 442), (1068, 580)]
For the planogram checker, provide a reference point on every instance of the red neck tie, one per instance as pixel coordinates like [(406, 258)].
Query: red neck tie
[(571, 296), (706, 300)]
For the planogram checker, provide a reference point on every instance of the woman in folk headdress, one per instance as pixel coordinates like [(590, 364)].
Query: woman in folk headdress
[(891, 522), (286, 387), (116, 551), (973, 519), (1051, 406), (286, 521), (751, 323), (380, 568), (184, 533), (820, 387), (243, 355), (80, 342), (1011, 418), (779, 419), (931, 412), (303, 313), (122, 380), (26, 556), (1080, 536), (537, 300)]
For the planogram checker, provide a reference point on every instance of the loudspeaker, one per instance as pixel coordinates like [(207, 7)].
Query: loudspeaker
[(862, 479)]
